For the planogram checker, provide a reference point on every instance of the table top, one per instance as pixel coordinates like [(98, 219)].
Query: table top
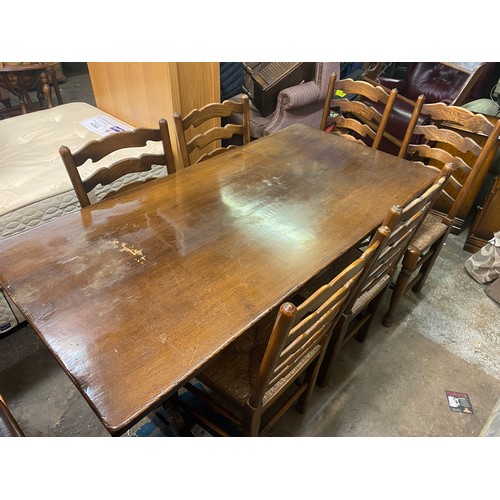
[(133, 295), (16, 68)]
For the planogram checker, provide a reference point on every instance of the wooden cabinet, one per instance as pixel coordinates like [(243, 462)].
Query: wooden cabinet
[(142, 93), (486, 222)]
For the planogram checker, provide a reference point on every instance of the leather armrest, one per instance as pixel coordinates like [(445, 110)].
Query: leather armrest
[(393, 83)]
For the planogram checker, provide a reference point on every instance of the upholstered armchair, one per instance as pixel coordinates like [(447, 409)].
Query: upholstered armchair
[(301, 103)]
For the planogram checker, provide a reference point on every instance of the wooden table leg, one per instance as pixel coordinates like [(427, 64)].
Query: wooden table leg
[(47, 91)]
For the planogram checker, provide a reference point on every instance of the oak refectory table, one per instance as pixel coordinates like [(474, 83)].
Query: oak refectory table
[(133, 295)]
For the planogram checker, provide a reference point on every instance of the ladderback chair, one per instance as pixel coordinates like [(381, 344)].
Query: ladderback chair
[(262, 374), (349, 110), (9, 426), (446, 137), (106, 176), (449, 83), (442, 145), (200, 140), (394, 236)]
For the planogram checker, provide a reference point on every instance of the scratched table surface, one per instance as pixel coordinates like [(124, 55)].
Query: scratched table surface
[(133, 295)]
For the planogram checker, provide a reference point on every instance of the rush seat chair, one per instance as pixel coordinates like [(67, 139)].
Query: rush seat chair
[(443, 144), (394, 236), (263, 373)]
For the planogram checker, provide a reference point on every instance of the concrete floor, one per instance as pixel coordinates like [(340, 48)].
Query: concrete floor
[(447, 338)]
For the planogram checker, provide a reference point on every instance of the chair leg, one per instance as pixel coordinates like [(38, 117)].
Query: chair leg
[(399, 290), (174, 417), (251, 421), (55, 84), (427, 266), (371, 310), (332, 351), (47, 91), (310, 378)]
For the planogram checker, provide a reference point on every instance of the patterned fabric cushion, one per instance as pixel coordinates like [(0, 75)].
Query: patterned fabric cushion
[(484, 265)]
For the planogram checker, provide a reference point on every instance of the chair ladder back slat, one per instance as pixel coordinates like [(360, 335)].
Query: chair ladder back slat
[(440, 155), (357, 112), (97, 150), (448, 136), (353, 125), (107, 175), (196, 117), (215, 152), (473, 122), (359, 109), (190, 139), (216, 133), (373, 92), (291, 358)]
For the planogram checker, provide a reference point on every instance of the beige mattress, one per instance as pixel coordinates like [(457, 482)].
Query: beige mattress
[(34, 185)]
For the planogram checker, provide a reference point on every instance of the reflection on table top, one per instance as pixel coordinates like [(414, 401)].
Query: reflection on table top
[(133, 295)]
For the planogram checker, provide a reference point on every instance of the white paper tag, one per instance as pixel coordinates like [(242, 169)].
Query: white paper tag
[(104, 125)]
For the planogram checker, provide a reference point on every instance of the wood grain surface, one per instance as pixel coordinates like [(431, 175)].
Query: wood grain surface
[(133, 295)]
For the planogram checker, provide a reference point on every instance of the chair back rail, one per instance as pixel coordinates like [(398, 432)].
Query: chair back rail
[(357, 115), (443, 145), (98, 150), (214, 134), (393, 237), (403, 222), (198, 117), (298, 330)]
